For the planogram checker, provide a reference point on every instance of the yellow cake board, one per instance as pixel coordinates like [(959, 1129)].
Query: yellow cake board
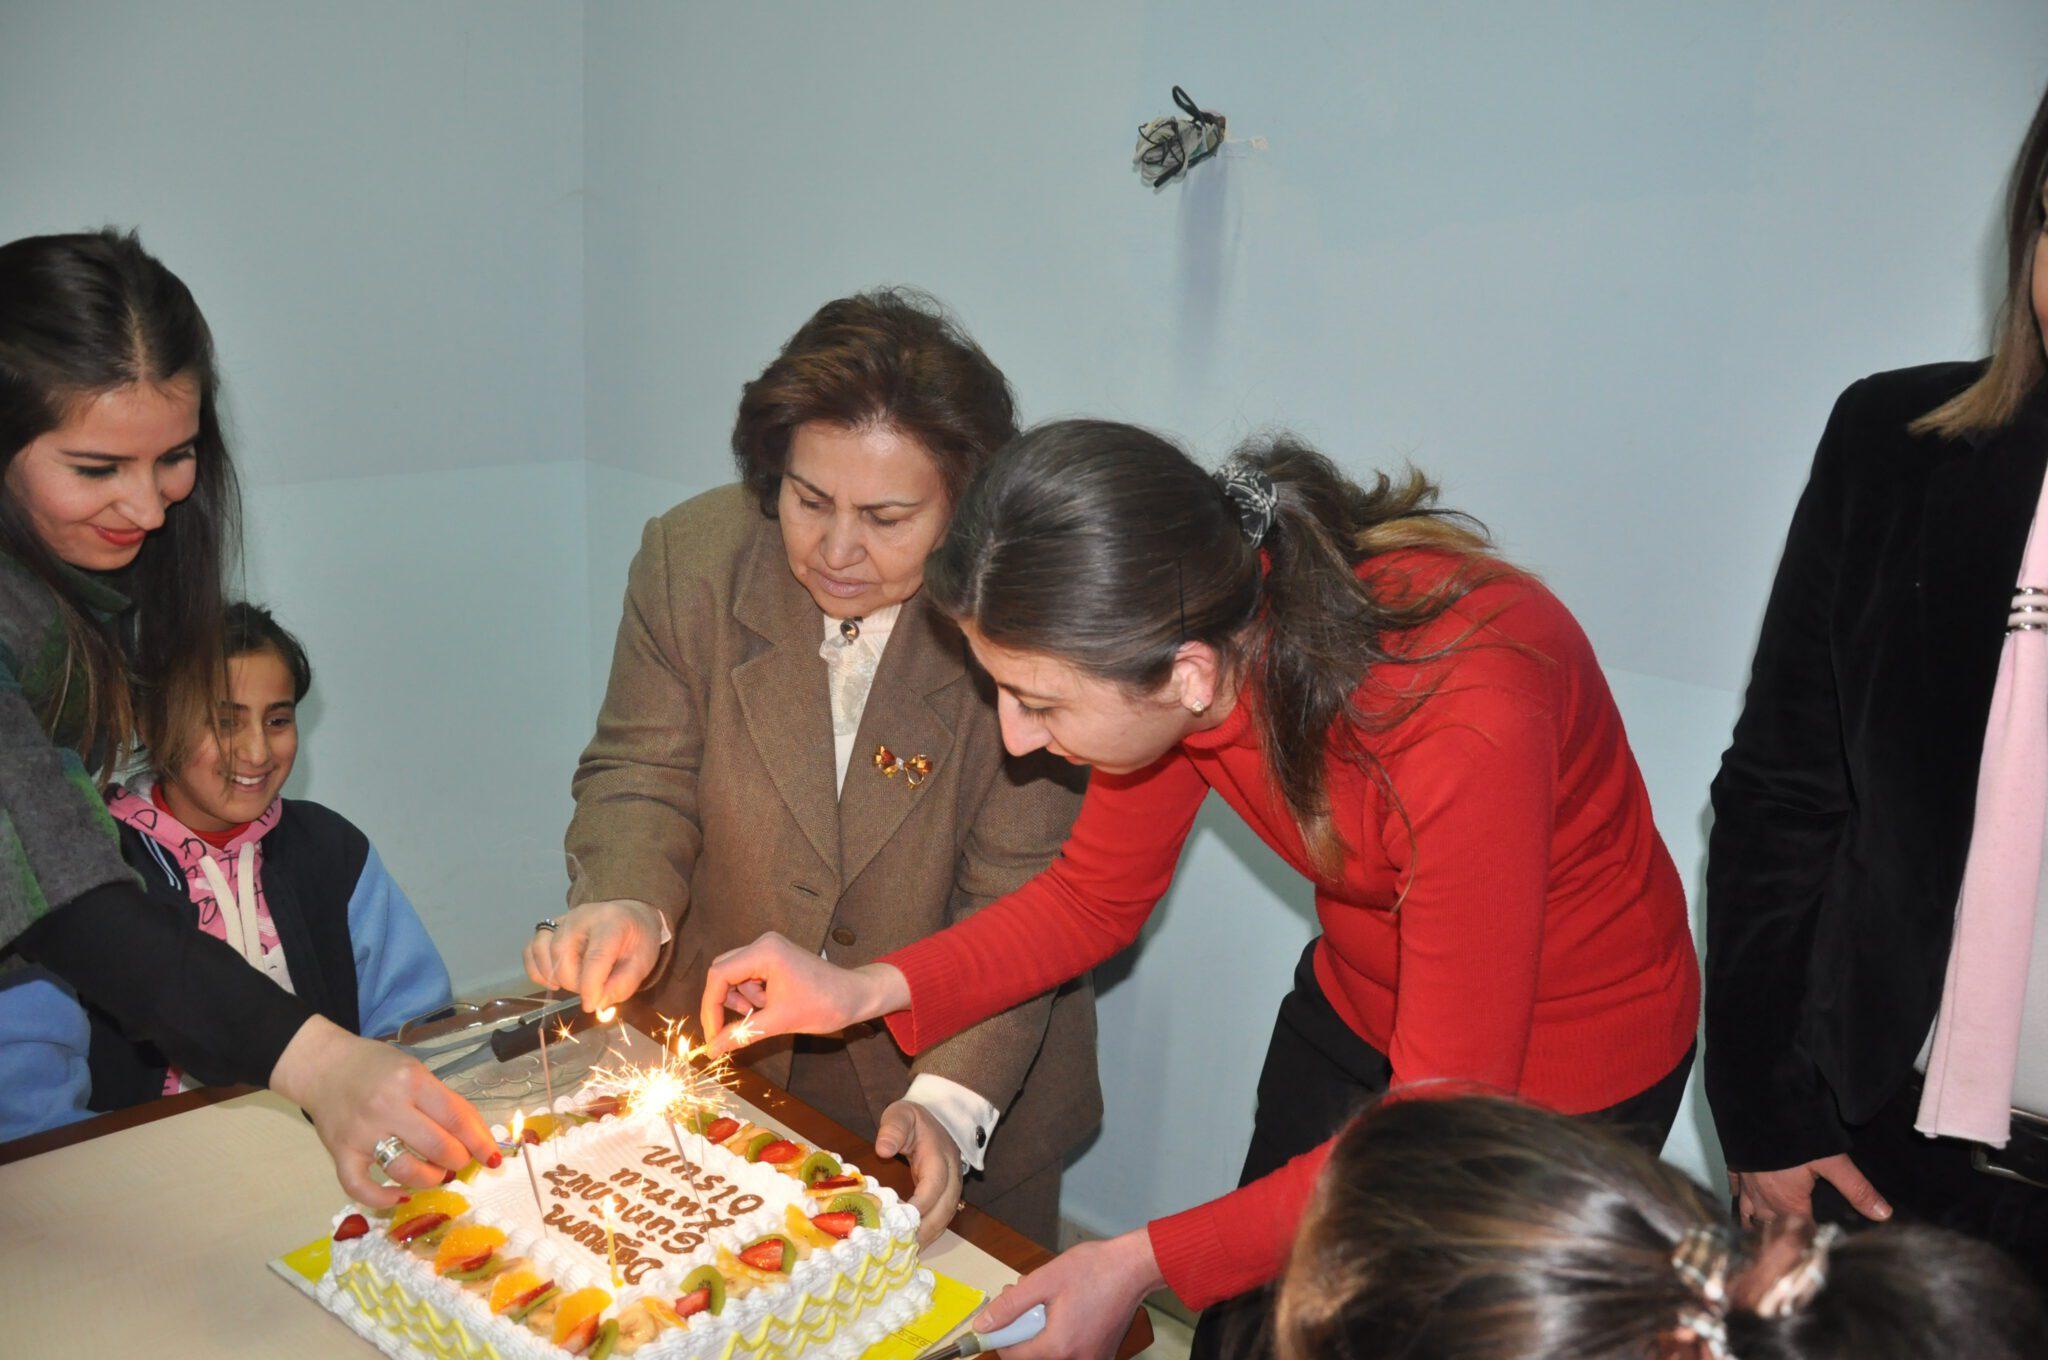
[(952, 1302)]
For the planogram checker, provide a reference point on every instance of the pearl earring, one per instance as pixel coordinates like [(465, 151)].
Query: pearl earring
[(1197, 708)]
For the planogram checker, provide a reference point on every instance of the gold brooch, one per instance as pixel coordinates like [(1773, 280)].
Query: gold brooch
[(915, 770)]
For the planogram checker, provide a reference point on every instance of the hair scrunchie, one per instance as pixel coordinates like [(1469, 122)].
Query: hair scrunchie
[(1250, 491), (1703, 1261), (1788, 1268)]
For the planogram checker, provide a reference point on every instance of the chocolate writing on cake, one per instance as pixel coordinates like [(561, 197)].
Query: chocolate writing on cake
[(634, 1260), (653, 1218)]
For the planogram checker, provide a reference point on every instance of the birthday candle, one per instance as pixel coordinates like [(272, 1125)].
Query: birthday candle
[(519, 1149), (547, 1075)]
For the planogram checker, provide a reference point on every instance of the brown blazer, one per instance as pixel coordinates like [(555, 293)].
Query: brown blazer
[(708, 791)]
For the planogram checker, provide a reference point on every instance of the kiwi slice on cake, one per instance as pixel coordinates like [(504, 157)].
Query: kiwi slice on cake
[(430, 1240), (705, 1277), (817, 1167), (862, 1206), (525, 1310), (487, 1270), (760, 1143)]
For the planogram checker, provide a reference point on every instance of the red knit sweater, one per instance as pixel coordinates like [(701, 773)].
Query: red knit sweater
[(1542, 947)]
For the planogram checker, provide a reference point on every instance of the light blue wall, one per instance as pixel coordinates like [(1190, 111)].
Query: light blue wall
[(487, 279), (1600, 267), (377, 205)]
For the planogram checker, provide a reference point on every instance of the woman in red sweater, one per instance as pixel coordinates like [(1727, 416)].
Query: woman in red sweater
[(1418, 728)]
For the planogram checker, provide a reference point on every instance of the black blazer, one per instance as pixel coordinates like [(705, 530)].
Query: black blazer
[(1842, 810)]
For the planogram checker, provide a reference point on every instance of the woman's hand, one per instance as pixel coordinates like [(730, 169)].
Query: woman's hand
[(359, 1091), (911, 1132), (605, 950), (1089, 1293), (779, 988), (1773, 1196)]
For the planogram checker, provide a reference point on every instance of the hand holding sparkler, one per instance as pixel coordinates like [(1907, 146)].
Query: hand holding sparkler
[(358, 1092), (782, 989), (603, 950)]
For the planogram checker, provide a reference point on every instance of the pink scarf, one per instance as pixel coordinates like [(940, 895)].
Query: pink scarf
[(1977, 1034), (226, 886)]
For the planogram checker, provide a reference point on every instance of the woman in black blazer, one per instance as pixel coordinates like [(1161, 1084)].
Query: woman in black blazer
[(1842, 813)]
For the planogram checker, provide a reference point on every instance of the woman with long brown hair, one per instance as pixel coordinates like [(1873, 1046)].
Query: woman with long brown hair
[(1416, 727), (1470, 1228), (1877, 918), (118, 513)]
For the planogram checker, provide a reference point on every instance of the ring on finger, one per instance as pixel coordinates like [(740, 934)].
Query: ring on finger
[(549, 923), (388, 1150)]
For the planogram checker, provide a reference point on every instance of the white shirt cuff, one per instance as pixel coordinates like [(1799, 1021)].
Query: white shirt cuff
[(960, 1112), (666, 933)]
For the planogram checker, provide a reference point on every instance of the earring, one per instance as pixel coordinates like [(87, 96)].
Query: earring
[(1198, 708)]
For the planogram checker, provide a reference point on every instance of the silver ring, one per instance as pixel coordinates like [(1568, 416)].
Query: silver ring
[(388, 1150), (549, 924)]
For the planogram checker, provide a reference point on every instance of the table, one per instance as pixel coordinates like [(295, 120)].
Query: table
[(149, 1230)]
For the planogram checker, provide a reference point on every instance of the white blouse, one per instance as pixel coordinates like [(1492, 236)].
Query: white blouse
[(851, 658)]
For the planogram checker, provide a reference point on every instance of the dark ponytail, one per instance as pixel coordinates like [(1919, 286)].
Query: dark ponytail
[(1482, 1229), (82, 315), (1104, 545)]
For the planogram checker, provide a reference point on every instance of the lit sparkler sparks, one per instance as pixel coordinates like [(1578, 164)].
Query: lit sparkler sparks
[(687, 1081)]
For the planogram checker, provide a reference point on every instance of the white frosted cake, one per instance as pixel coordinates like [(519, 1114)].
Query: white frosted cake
[(743, 1247)]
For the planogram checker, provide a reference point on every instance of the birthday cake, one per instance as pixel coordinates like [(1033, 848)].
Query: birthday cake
[(705, 1239)]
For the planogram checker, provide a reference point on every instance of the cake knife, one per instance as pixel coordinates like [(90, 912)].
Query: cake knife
[(511, 1041), (975, 1343)]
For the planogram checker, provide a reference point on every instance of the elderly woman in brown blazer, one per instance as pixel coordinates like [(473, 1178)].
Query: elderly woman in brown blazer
[(792, 740)]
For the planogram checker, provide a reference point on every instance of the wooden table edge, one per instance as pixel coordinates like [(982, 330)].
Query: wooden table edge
[(114, 1121), (991, 1235)]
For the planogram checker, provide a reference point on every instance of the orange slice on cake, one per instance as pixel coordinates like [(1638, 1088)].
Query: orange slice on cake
[(467, 1247), (576, 1318)]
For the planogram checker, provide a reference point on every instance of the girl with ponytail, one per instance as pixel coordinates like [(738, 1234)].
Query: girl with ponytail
[(1419, 729), (1480, 1229)]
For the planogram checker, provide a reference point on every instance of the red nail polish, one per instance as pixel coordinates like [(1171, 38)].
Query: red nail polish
[(447, 1176), (497, 1160)]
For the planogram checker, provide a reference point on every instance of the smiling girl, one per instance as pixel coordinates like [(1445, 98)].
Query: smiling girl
[(117, 512), (291, 886)]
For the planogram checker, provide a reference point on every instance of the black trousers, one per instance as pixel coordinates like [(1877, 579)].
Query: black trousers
[(1931, 1181), (1318, 1074)]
